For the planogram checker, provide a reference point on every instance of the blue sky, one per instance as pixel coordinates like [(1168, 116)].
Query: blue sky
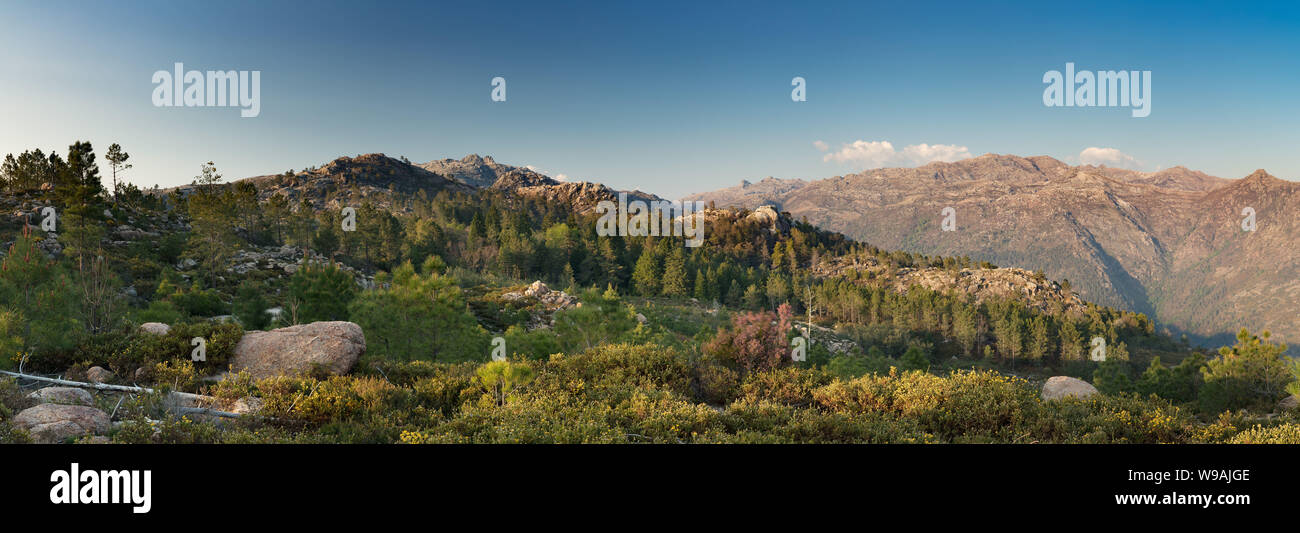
[(665, 97)]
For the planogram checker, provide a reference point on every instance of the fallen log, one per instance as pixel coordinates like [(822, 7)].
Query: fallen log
[(205, 411), (82, 384), (173, 402)]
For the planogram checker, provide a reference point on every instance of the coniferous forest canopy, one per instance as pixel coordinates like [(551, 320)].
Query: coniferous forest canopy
[(606, 339)]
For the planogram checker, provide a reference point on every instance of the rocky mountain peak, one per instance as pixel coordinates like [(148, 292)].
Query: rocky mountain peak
[(473, 170), (1261, 175)]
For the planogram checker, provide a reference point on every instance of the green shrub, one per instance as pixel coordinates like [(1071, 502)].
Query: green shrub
[(717, 383), (789, 385), (1283, 434), (1179, 383), (847, 366), (250, 306), (199, 302), (609, 372), (964, 406), (419, 318), (1125, 418), (540, 417), (162, 311), (147, 350), (537, 344), (321, 292), (1113, 377), (501, 379), (915, 359), (12, 398), (1251, 374)]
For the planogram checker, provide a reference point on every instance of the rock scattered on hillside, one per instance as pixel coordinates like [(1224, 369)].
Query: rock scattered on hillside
[(551, 300), (548, 301), (1289, 403), (99, 374), (1058, 387), (248, 405), (51, 423), (768, 216), (155, 328), (285, 261), (62, 395), (330, 346)]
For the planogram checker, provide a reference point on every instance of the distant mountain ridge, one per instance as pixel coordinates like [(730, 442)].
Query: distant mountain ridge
[(369, 177), (1166, 243), (473, 169)]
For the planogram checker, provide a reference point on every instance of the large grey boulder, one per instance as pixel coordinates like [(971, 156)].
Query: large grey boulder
[(1058, 387), (155, 328), (330, 346), (99, 374), (1289, 403), (62, 395), (51, 423)]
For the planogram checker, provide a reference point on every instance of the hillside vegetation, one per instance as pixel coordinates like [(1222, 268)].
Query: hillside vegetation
[(609, 339), (1169, 244)]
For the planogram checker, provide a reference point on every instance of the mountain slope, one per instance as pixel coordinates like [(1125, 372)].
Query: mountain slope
[(1166, 243)]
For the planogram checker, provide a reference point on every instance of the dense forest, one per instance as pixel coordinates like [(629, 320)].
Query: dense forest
[(637, 339)]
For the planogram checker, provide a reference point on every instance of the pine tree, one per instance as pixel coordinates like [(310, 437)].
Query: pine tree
[(753, 298), (1039, 341), (735, 295), (212, 218), (117, 162), (250, 306), (80, 192), (1071, 341), (674, 280), (964, 328), (778, 290), (645, 278), (701, 292)]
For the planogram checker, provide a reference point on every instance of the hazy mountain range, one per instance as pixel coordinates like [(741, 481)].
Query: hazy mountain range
[(1169, 244)]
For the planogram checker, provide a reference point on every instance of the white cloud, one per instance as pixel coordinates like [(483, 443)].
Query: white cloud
[(821, 146), (539, 170), (926, 153), (1109, 157), (877, 154)]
